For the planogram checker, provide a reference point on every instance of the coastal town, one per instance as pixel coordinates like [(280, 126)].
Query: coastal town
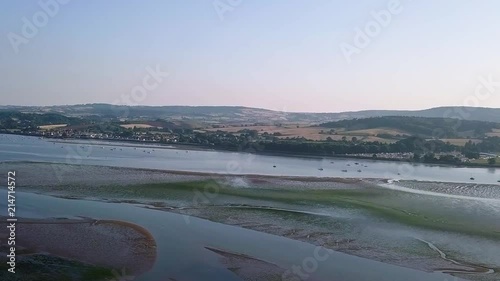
[(247, 140)]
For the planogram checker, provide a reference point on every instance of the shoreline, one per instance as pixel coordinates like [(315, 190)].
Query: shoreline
[(256, 177), (209, 174), (194, 147), (117, 245)]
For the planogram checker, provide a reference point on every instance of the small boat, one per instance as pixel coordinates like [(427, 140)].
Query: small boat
[(472, 178), (274, 166), (356, 163), (349, 165), (345, 171), (359, 171), (321, 169)]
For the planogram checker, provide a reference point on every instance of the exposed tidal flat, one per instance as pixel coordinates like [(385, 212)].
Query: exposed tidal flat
[(74, 249), (428, 226)]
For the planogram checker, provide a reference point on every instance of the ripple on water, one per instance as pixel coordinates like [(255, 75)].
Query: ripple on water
[(487, 191)]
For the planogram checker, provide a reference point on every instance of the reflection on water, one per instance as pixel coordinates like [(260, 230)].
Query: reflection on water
[(182, 252), (182, 246), (20, 148)]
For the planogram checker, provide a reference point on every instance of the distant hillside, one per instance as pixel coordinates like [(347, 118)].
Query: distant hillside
[(18, 120), (38, 119), (12, 120), (422, 126), (456, 112), (239, 114), (207, 114)]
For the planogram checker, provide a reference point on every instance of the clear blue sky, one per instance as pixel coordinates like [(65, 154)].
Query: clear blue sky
[(276, 54)]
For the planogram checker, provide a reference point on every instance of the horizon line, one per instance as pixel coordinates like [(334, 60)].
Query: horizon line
[(260, 108)]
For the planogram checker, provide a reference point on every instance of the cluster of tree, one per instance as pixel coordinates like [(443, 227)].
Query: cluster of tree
[(413, 144), (251, 140), (427, 127), (492, 161), (424, 150), (30, 121), (489, 144), (248, 140)]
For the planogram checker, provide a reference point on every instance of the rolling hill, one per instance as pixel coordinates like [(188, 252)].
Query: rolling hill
[(239, 114), (430, 127)]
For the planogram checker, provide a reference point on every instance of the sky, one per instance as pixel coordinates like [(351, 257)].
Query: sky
[(288, 55)]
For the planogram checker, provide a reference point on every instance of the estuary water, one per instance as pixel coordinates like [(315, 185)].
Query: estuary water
[(22, 148), (181, 243), (181, 252)]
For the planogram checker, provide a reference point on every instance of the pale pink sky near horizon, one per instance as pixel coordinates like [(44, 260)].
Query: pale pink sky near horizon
[(279, 55)]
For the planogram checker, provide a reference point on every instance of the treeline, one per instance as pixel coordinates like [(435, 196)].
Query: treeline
[(247, 141), (30, 121), (427, 127), (412, 144), (489, 144), (424, 150)]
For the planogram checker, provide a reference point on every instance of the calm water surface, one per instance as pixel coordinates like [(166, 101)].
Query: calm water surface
[(21, 148), (181, 243)]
